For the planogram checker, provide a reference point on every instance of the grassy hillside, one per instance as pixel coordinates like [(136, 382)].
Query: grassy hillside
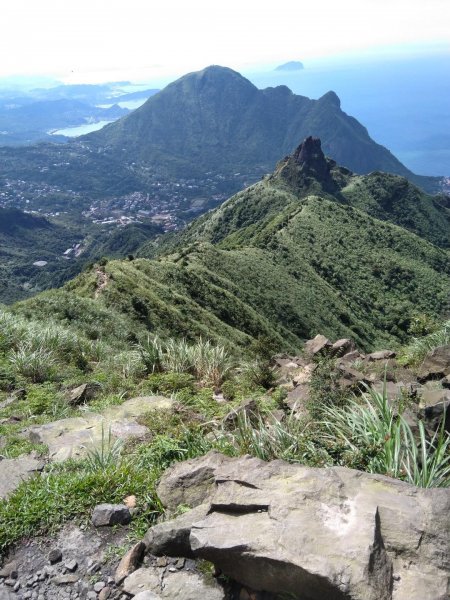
[(316, 267), (294, 255)]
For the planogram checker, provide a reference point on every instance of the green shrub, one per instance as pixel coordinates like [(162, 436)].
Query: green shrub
[(170, 383)]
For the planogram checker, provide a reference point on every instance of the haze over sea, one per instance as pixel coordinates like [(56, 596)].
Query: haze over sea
[(403, 102)]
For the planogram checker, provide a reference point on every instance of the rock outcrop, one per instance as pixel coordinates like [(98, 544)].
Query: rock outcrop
[(331, 533), (69, 438)]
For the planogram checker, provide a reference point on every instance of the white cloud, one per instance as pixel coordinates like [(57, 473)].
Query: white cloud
[(81, 39)]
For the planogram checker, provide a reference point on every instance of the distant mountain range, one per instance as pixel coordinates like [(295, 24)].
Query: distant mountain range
[(32, 115), (212, 131)]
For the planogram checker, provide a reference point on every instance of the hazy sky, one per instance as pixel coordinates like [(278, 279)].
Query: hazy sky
[(81, 40)]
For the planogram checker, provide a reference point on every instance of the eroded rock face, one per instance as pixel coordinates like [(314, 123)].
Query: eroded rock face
[(318, 533)]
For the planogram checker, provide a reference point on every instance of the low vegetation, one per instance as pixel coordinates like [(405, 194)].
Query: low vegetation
[(363, 432)]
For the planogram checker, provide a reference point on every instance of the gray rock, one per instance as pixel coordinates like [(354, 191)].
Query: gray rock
[(72, 437), (436, 364), (435, 406), (171, 538), (110, 514), (317, 345), (9, 570), (15, 470), (71, 565), (184, 585), (343, 346), (130, 562), (248, 408), (147, 596), (297, 398), (105, 593), (83, 393), (141, 580), (54, 556), (352, 356), (99, 586), (191, 482), (322, 533), (350, 377), (380, 355), (65, 579)]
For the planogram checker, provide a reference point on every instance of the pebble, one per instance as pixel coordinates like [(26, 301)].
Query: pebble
[(91, 596), (54, 556), (99, 586), (93, 568), (71, 565), (105, 593)]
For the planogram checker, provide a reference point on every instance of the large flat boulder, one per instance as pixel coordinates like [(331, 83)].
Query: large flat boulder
[(71, 438), (319, 533)]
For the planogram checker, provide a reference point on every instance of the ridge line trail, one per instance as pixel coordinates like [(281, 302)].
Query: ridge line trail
[(102, 282)]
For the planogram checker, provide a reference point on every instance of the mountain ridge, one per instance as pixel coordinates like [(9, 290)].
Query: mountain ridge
[(216, 118), (277, 263)]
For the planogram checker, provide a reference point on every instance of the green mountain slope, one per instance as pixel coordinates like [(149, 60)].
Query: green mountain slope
[(216, 119), (307, 172), (285, 259)]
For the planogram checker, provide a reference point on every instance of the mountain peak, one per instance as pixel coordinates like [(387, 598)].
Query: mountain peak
[(218, 76), (306, 165), (310, 153), (331, 99)]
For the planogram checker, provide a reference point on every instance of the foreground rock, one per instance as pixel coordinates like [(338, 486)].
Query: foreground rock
[(180, 586), (69, 438), (106, 515), (15, 470), (313, 533), (436, 364)]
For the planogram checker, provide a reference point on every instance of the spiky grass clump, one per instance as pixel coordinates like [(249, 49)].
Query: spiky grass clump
[(416, 351), (37, 364), (385, 442), (269, 438), (209, 363)]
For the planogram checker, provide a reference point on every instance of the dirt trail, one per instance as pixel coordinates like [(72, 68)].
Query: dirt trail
[(102, 282)]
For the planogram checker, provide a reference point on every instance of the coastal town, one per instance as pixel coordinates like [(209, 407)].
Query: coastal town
[(165, 202)]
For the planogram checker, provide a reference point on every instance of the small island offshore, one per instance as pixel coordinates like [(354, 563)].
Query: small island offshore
[(292, 65)]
